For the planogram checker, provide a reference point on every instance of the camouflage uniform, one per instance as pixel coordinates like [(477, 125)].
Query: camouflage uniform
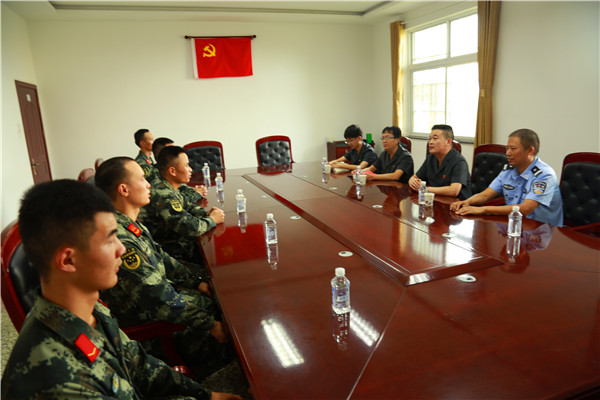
[(144, 161), (154, 286), (174, 222), (152, 176), (59, 356)]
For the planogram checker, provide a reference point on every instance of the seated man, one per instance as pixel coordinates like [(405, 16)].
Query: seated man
[(152, 285), (194, 194), (361, 154), (445, 170), (526, 181), (395, 163), (70, 346), (144, 139), (173, 221)]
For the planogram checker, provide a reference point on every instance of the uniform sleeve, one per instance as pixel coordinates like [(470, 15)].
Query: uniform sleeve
[(190, 193), (496, 184), (406, 164), (422, 172), (180, 274), (371, 157), (149, 290), (190, 221), (377, 164), (154, 378), (460, 173), (542, 189)]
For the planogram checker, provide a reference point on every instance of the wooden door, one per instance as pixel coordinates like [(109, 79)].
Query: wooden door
[(34, 132)]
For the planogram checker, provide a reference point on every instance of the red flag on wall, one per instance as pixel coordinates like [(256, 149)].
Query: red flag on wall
[(219, 57)]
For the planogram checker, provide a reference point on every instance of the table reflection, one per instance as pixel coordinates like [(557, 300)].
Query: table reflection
[(284, 348), (340, 325), (516, 249)]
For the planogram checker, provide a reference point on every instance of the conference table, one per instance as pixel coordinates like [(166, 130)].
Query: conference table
[(442, 306)]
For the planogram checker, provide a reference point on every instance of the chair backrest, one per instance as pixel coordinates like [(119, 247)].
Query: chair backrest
[(406, 143), (580, 188), (20, 280), (87, 175), (97, 163), (455, 145), (488, 161), (205, 151), (274, 150)]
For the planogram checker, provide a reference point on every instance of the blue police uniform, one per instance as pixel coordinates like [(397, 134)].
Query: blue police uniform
[(538, 183)]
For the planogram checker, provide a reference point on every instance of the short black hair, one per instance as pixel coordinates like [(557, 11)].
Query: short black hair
[(394, 130), (446, 129), (58, 213), (528, 139), (353, 131), (138, 136), (167, 156), (110, 174), (159, 144)]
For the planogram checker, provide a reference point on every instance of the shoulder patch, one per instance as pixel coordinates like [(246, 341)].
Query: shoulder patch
[(131, 259), (539, 187), (536, 171), (88, 348), (134, 229), (176, 205)]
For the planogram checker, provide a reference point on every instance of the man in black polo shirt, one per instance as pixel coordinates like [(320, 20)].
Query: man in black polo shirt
[(445, 170), (395, 162), (360, 153)]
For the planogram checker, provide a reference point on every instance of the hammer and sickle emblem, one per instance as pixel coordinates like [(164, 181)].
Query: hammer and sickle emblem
[(209, 51)]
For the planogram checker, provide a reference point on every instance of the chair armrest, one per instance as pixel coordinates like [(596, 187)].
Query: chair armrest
[(593, 228)]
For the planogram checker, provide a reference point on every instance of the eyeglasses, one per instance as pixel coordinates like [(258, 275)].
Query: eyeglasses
[(347, 141), (383, 138)]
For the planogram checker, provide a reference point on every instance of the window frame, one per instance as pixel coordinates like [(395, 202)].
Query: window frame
[(444, 62)]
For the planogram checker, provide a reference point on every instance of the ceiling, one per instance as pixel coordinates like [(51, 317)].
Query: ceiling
[(357, 12)]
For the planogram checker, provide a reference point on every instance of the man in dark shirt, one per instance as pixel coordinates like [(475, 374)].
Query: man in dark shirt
[(445, 170), (360, 153), (395, 163)]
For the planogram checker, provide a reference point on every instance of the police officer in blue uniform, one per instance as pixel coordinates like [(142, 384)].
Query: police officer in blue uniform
[(526, 181)]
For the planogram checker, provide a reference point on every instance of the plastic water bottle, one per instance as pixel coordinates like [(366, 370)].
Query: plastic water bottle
[(323, 163), (206, 172), (270, 230), (357, 176), (515, 219), (422, 191), (219, 182), (240, 200), (340, 292)]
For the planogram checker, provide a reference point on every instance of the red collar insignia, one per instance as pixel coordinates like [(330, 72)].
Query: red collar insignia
[(134, 229), (87, 347), (148, 161)]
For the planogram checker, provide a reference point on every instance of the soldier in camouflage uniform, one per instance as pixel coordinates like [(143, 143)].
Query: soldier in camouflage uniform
[(153, 285), (144, 139), (70, 347), (192, 195), (174, 222)]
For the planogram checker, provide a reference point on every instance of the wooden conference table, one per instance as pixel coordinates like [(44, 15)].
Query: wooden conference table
[(439, 308)]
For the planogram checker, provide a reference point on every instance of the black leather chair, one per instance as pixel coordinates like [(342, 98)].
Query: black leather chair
[(274, 150), (580, 190), (488, 161), (206, 151)]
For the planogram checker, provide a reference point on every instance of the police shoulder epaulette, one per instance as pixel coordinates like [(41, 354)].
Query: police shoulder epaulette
[(88, 348), (507, 166), (134, 229), (536, 171)]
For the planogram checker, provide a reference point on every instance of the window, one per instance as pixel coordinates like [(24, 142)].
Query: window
[(442, 80)]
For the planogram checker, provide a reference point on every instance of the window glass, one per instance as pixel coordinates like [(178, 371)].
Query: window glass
[(430, 44), (463, 94), (429, 97), (463, 37)]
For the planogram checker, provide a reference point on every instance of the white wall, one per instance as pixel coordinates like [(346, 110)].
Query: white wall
[(101, 81), (17, 64), (547, 76)]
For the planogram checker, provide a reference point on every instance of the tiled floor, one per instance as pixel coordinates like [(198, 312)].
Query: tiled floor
[(230, 379)]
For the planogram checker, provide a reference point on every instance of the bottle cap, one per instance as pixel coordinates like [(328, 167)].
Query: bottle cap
[(269, 216), (516, 208), (218, 174), (340, 271), (423, 183), (240, 191)]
